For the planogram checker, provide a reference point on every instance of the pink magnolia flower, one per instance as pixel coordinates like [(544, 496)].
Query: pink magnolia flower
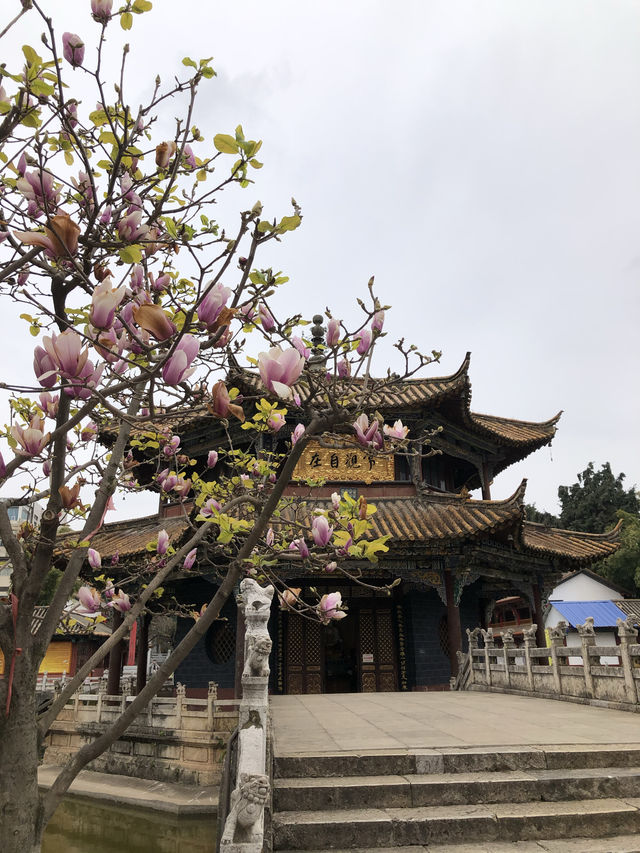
[(130, 228), (331, 567), (276, 421), (268, 323), (335, 501), (333, 333), (221, 405), (66, 352), (121, 601), (296, 399), (364, 343), (177, 367), (270, 537), (297, 434), (101, 10), (164, 153), (215, 299), (89, 597), (397, 431), (189, 158), (182, 487), (344, 368), (246, 311), (87, 200), (163, 543), (44, 367), (329, 608), (161, 283), (46, 467), (81, 387), (161, 476), (94, 558), (168, 484), (172, 446), (210, 508), (212, 459), (40, 192), (49, 404), (190, 559), (73, 49), (378, 322), (31, 439), (3, 96), (304, 351), (368, 434), (280, 369), (109, 590), (153, 319), (89, 431), (300, 546), (321, 531), (104, 302)]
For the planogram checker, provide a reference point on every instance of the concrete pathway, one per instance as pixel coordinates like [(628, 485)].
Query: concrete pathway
[(168, 797), (374, 722)]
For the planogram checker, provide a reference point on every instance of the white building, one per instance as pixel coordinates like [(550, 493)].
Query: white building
[(17, 516)]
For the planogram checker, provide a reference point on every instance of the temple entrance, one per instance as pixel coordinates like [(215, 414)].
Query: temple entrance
[(353, 655)]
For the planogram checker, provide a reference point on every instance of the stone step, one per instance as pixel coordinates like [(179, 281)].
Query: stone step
[(372, 829), (451, 760), (352, 792), (612, 844)]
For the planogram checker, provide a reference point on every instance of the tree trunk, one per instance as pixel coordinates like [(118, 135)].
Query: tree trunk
[(20, 807)]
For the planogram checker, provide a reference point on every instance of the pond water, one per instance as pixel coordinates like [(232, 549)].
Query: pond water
[(82, 826)]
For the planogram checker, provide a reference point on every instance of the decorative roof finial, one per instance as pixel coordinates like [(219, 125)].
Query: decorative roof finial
[(317, 359)]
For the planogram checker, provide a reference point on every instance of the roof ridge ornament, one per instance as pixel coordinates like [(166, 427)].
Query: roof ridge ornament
[(318, 358)]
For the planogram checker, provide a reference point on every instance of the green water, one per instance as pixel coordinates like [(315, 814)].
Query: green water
[(80, 826)]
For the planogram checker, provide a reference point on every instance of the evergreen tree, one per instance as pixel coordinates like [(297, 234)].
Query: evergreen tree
[(592, 503)]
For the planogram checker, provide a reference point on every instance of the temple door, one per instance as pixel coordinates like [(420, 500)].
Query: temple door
[(378, 669), (303, 661)]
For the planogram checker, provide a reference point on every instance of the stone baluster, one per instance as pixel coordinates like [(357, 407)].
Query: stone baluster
[(181, 692), (508, 643), (628, 635), (212, 697), (472, 637), (556, 637), (102, 690), (587, 639), (489, 648), (529, 635)]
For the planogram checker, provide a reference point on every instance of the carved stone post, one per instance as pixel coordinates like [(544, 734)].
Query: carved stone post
[(627, 634), (508, 643), (472, 638), (489, 644), (181, 692), (212, 696), (529, 635), (244, 826), (557, 635), (587, 639)]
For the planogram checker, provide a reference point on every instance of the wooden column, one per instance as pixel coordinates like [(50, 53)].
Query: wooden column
[(485, 479), (115, 659), (538, 616), (453, 623), (142, 651)]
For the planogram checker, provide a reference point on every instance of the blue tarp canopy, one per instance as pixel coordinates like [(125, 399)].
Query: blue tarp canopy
[(605, 613)]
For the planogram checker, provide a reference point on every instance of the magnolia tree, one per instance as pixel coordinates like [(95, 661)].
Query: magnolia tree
[(141, 304)]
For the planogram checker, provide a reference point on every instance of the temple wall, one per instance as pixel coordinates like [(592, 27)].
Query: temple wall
[(428, 663)]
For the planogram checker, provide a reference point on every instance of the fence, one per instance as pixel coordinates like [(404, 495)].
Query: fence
[(531, 670), (174, 739)]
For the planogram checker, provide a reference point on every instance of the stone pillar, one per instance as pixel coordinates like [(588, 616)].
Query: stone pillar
[(472, 637), (240, 641), (538, 615), (115, 659), (587, 639), (529, 635), (453, 623), (142, 652), (489, 648), (557, 635), (508, 644), (628, 635)]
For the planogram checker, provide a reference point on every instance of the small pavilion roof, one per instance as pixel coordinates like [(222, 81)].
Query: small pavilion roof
[(578, 546)]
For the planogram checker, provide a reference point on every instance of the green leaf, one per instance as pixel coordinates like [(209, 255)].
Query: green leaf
[(108, 138), (41, 89), (256, 164), (34, 330), (5, 106), (189, 62), (201, 175), (126, 20), (68, 158), (131, 254), (289, 223), (141, 6), (264, 226), (32, 119), (98, 117), (30, 55), (225, 144)]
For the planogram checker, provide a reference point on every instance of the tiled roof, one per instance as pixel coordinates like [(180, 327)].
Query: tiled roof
[(630, 607), (574, 544), (83, 625), (512, 432), (130, 537)]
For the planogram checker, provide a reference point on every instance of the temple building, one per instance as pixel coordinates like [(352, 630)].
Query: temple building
[(458, 559)]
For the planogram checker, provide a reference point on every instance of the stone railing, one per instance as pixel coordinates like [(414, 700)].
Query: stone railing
[(244, 824), (546, 671), (174, 739)]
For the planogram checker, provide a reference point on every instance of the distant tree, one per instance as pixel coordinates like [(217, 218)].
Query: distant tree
[(532, 513), (623, 567), (593, 502)]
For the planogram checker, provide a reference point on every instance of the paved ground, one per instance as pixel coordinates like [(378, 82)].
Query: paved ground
[(357, 722), (142, 793)]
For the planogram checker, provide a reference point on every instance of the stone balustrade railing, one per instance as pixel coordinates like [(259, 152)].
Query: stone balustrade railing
[(176, 738), (546, 672), (244, 826)]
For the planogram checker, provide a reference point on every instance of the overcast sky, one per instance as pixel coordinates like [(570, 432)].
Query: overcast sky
[(481, 158)]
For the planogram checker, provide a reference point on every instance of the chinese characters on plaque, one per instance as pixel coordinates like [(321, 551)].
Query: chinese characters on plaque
[(343, 463)]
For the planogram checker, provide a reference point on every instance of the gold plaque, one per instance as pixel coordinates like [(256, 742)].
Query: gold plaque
[(342, 463)]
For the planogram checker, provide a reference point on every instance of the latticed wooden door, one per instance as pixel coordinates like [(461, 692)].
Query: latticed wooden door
[(377, 653), (303, 660)]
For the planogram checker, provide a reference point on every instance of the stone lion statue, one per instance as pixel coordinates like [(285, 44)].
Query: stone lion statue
[(257, 662), (246, 807)]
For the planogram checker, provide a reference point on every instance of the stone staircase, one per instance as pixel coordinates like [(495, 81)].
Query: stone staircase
[(476, 800)]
